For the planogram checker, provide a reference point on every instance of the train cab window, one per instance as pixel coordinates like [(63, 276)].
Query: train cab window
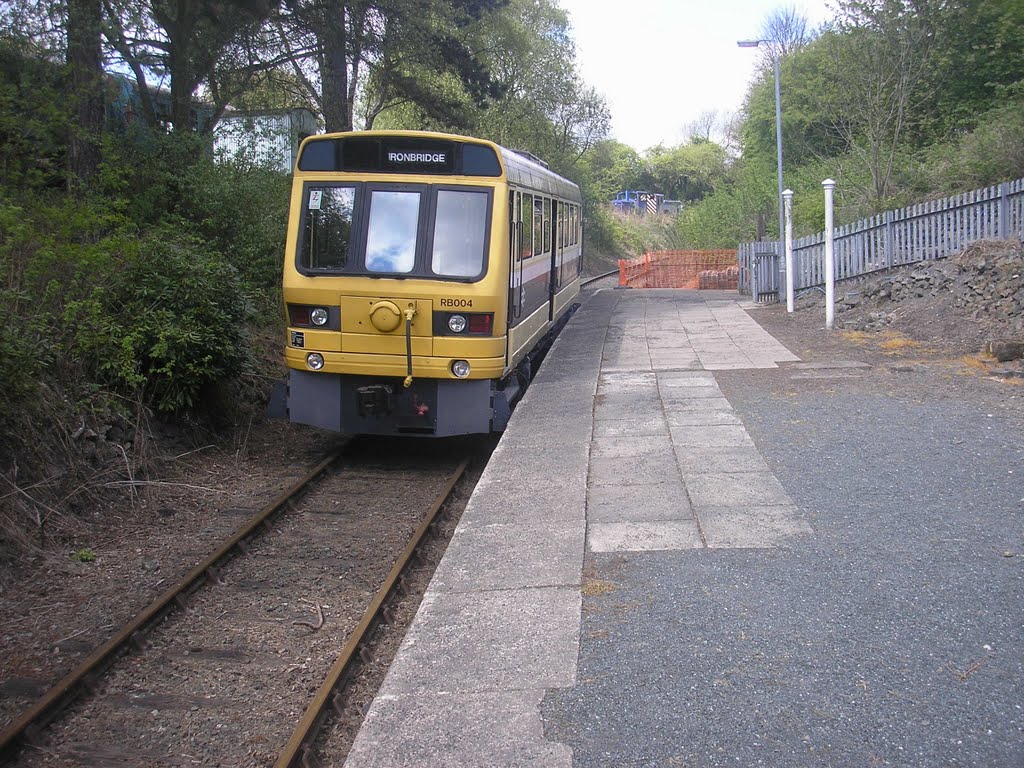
[(460, 229), (391, 232), (526, 251), (328, 230)]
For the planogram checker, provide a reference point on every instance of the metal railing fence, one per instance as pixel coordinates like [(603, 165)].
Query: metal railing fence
[(921, 232)]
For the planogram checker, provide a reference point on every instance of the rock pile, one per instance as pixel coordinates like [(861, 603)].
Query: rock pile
[(984, 282)]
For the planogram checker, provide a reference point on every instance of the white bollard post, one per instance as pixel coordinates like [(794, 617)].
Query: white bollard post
[(830, 256), (788, 197)]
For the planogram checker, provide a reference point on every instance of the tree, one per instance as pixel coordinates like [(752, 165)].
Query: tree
[(722, 128), (688, 172), (879, 65), (182, 41), (545, 108), (85, 66), (784, 31), (610, 167), (977, 58), (387, 51)]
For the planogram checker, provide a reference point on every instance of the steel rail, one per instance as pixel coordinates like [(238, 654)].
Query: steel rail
[(302, 737), (82, 676), (602, 276)]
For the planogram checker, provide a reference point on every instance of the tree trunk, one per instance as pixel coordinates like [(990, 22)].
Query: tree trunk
[(85, 62), (337, 106)]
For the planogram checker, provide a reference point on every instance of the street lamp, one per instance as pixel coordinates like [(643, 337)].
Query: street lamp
[(778, 124)]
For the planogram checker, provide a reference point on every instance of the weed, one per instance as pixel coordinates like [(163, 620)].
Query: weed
[(83, 555), (896, 342), (857, 337), (596, 587)]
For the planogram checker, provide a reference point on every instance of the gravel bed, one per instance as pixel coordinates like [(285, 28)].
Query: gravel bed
[(54, 610), (224, 682)]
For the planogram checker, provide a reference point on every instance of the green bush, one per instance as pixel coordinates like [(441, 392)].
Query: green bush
[(25, 344), (173, 324), (991, 153), (33, 122), (242, 211)]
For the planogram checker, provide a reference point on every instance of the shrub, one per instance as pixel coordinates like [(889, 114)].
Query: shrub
[(242, 211), (992, 153), (25, 346), (172, 325), (33, 122)]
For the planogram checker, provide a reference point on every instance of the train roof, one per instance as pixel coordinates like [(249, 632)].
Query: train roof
[(521, 169)]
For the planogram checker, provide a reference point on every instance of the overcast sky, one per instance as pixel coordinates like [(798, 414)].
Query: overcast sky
[(661, 63)]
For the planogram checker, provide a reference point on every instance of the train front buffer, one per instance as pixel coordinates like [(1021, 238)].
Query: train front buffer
[(404, 362)]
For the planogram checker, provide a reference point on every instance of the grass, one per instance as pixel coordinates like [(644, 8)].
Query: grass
[(890, 342), (84, 555), (897, 342), (597, 587)]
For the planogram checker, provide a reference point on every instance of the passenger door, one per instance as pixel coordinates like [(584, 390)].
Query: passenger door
[(554, 280), (515, 257)]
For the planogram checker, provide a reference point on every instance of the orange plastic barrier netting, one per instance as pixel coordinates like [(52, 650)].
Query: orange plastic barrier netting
[(681, 269)]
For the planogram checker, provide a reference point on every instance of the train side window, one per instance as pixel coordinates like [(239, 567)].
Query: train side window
[(391, 233), (513, 220), (460, 229), (538, 226), (327, 234), (547, 225), (526, 247)]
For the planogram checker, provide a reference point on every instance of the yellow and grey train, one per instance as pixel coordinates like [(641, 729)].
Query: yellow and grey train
[(423, 274)]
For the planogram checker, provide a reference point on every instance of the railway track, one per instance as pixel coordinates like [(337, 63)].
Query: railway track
[(591, 282), (102, 689), (214, 674)]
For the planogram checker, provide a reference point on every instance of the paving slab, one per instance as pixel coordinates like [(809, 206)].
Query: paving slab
[(684, 401), (457, 730), (735, 489), (693, 460), (530, 638), (707, 418), (638, 503), (629, 446), (638, 425), (633, 470), (752, 526), (515, 555), (711, 436), (653, 536)]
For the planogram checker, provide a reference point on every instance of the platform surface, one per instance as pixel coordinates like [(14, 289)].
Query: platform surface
[(681, 554)]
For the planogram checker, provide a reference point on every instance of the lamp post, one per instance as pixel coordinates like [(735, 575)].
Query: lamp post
[(778, 124)]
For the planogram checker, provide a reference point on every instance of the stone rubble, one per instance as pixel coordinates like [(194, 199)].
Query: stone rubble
[(984, 282)]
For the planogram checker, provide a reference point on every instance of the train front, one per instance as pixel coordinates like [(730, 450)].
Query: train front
[(394, 286)]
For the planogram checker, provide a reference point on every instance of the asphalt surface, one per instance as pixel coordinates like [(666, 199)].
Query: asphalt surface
[(892, 635)]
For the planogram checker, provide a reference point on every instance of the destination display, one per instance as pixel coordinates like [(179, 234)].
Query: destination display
[(399, 154)]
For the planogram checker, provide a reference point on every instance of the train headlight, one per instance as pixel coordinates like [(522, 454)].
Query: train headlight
[(456, 323), (319, 316), (460, 369), (315, 361)]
